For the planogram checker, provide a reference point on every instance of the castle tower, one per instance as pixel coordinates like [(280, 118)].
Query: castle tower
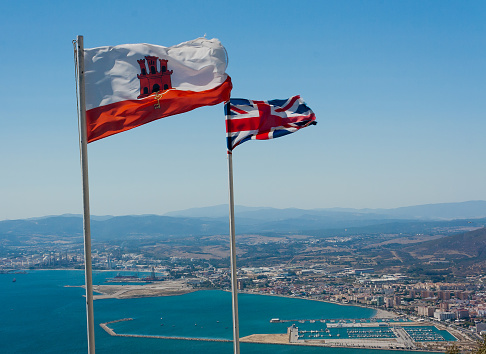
[(152, 64), (163, 69), (163, 65), (154, 79), (143, 68)]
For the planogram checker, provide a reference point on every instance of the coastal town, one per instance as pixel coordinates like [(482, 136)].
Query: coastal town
[(423, 282), (457, 307)]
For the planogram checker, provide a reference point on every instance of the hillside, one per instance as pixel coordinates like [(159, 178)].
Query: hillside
[(464, 252), (469, 244)]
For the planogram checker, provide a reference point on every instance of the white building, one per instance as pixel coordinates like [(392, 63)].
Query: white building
[(444, 315)]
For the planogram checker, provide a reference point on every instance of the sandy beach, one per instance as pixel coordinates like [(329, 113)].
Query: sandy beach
[(384, 314)]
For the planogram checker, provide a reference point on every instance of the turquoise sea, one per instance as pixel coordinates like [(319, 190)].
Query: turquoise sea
[(39, 314)]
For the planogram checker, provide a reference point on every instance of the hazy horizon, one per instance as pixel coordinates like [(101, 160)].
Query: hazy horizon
[(239, 206)]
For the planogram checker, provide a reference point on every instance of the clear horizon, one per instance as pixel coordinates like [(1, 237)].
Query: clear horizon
[(397, 87)]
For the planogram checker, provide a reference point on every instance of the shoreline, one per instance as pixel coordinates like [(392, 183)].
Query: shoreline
[(138, 291), (380, 313), (180, 287)]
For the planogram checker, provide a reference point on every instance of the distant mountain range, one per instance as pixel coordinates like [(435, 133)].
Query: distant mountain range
[(214, 220), (441, 211), (114, 228)]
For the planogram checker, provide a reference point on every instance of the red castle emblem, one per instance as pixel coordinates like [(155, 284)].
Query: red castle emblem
[(153, 80)]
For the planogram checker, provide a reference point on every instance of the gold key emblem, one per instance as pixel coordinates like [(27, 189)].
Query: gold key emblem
[(157, 97)]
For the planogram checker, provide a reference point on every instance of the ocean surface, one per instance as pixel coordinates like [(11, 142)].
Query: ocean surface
[(38, 314)]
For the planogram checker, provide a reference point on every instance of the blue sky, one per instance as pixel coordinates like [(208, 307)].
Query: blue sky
[(398, 88)]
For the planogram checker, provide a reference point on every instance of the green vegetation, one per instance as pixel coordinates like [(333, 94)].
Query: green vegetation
[(453, 349), (480, 349)]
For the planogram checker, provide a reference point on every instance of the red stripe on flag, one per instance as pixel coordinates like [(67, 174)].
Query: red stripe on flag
[(262, 136), (262, 123), (125, 115)]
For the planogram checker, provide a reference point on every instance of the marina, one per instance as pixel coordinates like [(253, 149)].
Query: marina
[(400, 332), (428, 334), (366, 329)]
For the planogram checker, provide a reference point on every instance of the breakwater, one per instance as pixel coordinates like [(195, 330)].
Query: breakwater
[(111, 332)]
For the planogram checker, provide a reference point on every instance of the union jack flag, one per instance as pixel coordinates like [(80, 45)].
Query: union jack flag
[(262, 120)]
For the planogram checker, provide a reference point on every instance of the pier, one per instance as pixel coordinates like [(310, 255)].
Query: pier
[(328, 321)]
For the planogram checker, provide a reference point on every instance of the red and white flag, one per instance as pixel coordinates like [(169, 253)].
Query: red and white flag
[(133, 84)]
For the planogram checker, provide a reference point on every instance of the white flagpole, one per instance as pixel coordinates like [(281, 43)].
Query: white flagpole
[(84, 173), (234, 279)]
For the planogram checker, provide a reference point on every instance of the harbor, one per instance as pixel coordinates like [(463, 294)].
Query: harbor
[(370, 333), (374, 333)]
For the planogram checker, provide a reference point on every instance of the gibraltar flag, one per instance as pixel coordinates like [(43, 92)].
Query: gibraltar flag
[(134, 84)]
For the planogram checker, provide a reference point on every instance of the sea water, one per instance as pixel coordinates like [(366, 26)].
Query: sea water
[(39, 314)]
